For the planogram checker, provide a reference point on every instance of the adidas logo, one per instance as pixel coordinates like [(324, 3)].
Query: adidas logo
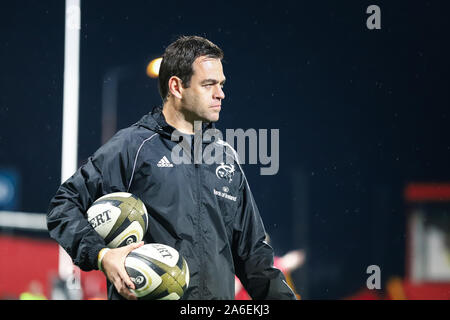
[(164, 163)]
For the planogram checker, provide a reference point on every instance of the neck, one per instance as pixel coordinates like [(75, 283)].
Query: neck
[(177, 118)]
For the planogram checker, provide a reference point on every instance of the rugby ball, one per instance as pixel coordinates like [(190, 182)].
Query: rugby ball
[(120, 218), (158, 272)]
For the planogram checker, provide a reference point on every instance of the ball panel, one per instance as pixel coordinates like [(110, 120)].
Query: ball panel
[(169, 275), (120, 224), (171, 296), (139, 216), (128, 203), (145, 279), (102, 216), (110, 202), (121, 221), (166, 254), (183, 277), (129, 214), (131, 234), (140, 207), (116, 196), (168, 286), (160, 252)]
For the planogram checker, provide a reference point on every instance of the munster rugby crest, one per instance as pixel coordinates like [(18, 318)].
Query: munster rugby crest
[(225, 171)]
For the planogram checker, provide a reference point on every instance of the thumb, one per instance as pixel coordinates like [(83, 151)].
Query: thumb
[(133, 246)]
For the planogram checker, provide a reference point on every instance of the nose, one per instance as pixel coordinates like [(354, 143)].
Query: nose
[(219, 94)]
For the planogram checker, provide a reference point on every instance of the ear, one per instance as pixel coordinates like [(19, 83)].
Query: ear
[(175, 87)]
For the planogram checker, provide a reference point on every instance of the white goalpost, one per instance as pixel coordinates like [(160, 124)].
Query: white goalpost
[(66, 269)]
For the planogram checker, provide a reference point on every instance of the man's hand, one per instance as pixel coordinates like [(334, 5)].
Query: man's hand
[(113, 265)]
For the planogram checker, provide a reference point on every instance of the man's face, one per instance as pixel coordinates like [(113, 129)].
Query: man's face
[(204, 96)]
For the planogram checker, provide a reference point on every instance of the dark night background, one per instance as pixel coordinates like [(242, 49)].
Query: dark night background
[(361, 112)]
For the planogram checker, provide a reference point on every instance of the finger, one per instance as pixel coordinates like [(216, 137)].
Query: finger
[(126, 279), (128, 248), (135, 245), (119, 286), (123, 290), (126, 293)]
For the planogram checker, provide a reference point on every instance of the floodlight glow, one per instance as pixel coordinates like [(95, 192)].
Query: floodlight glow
[(153, 68)]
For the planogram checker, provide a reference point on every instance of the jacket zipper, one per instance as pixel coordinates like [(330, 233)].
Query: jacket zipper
[(201, 250), (200, 233)]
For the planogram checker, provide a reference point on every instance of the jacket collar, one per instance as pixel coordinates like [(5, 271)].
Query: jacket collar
[(156, 121)]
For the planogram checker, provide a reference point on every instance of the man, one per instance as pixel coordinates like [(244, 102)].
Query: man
[(210, 218)]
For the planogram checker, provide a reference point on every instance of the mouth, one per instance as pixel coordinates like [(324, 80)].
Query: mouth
[(216, 107)]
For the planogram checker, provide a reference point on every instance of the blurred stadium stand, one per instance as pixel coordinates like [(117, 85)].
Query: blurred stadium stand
[(427, 274), (29, 255)]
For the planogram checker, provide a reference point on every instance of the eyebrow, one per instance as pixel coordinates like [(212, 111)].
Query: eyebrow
[(212, 81)]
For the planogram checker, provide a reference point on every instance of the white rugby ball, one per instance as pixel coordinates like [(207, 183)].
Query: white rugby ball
[(120, 218), (158, 272)]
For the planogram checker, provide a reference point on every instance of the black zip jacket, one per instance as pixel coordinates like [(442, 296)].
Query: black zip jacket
[(205, 211)]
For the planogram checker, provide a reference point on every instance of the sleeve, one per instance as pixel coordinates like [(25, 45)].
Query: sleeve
[(253, 257), (104, 172)]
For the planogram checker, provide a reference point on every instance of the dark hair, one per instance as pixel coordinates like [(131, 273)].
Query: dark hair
[(178, 58)]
